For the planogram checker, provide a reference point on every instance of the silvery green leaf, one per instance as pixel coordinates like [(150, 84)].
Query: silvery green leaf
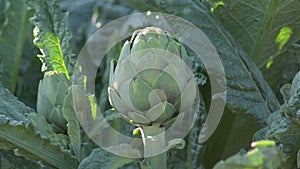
[(100, 158), (26, 141), (11, 107), (284, 124)]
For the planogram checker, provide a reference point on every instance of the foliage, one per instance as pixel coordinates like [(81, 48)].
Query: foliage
[(13, 21), (283, 125), (265, 154), (258, 44), (263, 30)]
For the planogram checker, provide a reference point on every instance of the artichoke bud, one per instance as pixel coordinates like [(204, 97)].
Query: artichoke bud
[(51, 93), (151, 77)]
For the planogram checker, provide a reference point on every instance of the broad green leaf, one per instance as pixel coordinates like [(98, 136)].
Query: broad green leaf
[(284, 124), (73, 124), (13, 21), (10, 161), (28, 143), (263, 28), (52, 36), (80, 14), (45, 130), (29, 71), (249, 99), (265, 156), (283, 67), (248, 93), (269, 31), (11, 107), (100, 158), (17, 113)]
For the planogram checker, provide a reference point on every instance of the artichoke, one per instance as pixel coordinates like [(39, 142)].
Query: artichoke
[(51, 93), (152, 82)]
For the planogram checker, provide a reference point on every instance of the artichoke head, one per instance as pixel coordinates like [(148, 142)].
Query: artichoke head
[(152, 82), (51, 93)]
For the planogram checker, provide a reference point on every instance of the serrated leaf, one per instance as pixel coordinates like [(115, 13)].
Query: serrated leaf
[(100, 158), (284, 124), (30, 144), (248, 93), (45, 130), (31, 135), (11, 107), (249, 99), (13, 21), (269, 32), (263, 156), (10, 161), (263, 28), (52, 36)]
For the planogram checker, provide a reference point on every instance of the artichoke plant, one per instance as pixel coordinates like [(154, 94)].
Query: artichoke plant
[(151, 85), (152, 82), (52, 91)]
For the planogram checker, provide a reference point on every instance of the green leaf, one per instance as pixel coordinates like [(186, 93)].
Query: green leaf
[(13, 21), (195, 151), (298, 159), (248, 93), (52, 36), (51, 93), (284, 124), (11, 107), (264, 155), (34, 140), (45, 130), (269, 32), (10, 161), (249, 100), (262, 28), (176, 159), (100, 158), (73, 124), (283, 68), (28, 143)]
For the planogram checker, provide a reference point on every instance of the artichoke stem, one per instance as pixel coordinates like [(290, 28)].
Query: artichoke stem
[(154, 142)]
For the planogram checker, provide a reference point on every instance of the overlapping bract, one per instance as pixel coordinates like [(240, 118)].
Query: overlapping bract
[(52, 91), (152, 82)]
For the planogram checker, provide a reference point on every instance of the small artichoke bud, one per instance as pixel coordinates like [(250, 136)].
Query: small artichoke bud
[(152, 82), (51, 93)]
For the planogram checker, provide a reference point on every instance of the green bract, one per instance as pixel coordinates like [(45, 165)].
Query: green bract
[(152, 82), (52, 91)]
